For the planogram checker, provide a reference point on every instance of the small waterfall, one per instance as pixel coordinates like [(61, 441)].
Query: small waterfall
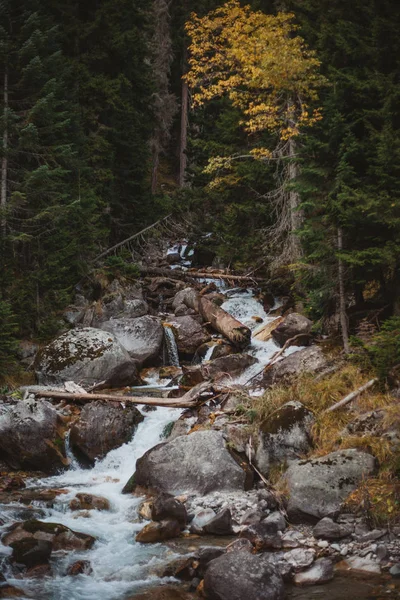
[(73, 463), (172, 356)]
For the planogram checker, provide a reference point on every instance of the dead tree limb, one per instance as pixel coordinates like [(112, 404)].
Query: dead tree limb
[(187, 275), (351, 396)]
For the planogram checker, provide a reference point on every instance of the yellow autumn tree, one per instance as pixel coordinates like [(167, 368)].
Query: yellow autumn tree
[(267, 71)]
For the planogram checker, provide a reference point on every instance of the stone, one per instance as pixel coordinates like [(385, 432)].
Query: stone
[(26, 352), (31, 436), (159, 531), (268, 497), (300, 558), (101, 427), (293, 325), (221, 524), (317, 487), (395, 570), (240, 545), (292, 539), (167, 507), (328, 529), (227, 366), (89, 502), (189, 334), (283, 436), (263, 536), (31, 552), (251, 517), (60, 536), (8, 591), (239, 575), (86, 355), (366, 564), (142, 337), (165, 592), (198, 463), (277, 518), (80, 567), (135, 308), (237, 436), (200, 520), (320, 572), (309, 360)]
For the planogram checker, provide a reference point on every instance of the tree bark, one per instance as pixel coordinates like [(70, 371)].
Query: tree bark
[(187, 275), (342, 297), (296, 215), (4, 162), (219, 319), (184, 115)]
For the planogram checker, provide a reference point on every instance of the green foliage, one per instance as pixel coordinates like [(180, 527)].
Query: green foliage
[(166, 432), (385, 347), (118, 266), (8, 342)]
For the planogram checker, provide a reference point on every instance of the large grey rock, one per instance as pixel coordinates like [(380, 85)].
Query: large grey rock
[(283, 436), (309, 360), (293, 325), (228, 366), (141, 337), (30, 437), (189, 334), (320, 572), (327, 529), (198, 463), (317, 487), (239, 575), (101, 427), (86, 356)]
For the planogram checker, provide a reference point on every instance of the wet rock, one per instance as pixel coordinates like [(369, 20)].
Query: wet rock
[(283, 436), (87, 355), (366, 564), (30, 437), (251, 517), (293, 325), (159, 531), (164, 593), (309, 360), (241, 544), (11, 482), (80, 567), (200, 520), (263, 536), (165, 506), (141, 337), (278, 519), (300, 558), (89, 502), (317, 487), (101, 427), (198, 463), (9, 591), (189, 334), (239, 575), (38, 572), (60, 536), (192, 375), (228, 366), (221, 524), (31, 552), (326, 528), (320, 572)]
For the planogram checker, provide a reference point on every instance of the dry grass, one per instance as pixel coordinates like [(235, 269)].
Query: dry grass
[(377, 500), (18, 378)]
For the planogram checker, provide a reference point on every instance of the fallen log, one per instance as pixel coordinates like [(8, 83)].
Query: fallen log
[(219, 319), (186, 275), (188, 400), (351, 396), (264, 333)]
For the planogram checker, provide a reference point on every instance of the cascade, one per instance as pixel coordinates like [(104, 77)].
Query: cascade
[(172, 355)]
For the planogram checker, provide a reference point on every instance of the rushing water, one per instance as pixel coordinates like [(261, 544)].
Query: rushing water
[(171, 347), (120, 565)]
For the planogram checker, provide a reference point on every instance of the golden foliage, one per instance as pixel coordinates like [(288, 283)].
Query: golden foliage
[(259, 62), (377, 499)]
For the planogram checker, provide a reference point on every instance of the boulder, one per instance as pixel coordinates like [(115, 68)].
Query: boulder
[(30, 437), (221, 524), (142, 338), (320, 572), (317, 487), (165, 506), (189, 334), (327, 529), (277, 518), (201, 519), (309, 360), (89, 502), (80, 567), (87, 356), (60, 536), (228, 366), (291, 326), (263, 536), (239, 575), (101, 427), (198, 463), (31, 552), (283, 436), (156, 532), (300, 558)]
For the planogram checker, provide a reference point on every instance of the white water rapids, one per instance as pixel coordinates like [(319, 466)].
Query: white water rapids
[(121, 567)]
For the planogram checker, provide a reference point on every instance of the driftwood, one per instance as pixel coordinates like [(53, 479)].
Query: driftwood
[(219, 319), (265, 332), (351, 396), (187, 275), (189, 400)]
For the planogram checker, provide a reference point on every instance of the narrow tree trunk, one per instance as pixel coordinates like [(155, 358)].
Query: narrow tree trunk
[(154, 173), (183, 137), (296, 215), (4, 163), (342, 298)]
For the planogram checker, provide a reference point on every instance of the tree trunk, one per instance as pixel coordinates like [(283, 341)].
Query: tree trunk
[(183, 137), (187, 275), (342, 298), (219, 319), (4, 163), (296, 215)]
